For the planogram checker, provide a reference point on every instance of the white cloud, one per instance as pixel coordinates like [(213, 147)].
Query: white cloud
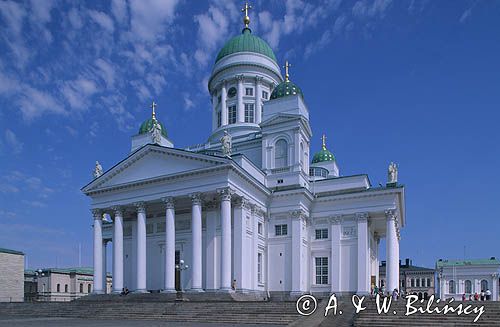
[(120, 11), (188, 102), (13, 142), (106, 71), (71, 130), (34, 103), (102, 20), (150, 17), (363, 8), (13, 13), (75, 19), (7, 189)]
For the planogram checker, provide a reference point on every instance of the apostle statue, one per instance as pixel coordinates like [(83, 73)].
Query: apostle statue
[(226, 142), (156, 132), (97, 170), (392, 174)]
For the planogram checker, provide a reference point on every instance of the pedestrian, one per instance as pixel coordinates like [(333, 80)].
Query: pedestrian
[(476, 297), (233, 285), (482, 295), (463, 297), (395, 294), (375, 290), (488, 294)]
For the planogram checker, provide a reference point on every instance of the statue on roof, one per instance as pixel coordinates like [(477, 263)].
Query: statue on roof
[(155, 129), (226, 141), (97, 170), (392, 174)]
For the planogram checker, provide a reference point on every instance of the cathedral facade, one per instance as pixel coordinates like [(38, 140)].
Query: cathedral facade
[(250, 210)]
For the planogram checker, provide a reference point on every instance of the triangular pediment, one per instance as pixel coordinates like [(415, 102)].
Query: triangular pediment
[(150, 162), (279, 119)]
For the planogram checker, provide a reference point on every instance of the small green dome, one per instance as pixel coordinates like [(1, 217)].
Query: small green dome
[(286, 88), (246, 42), (323, 155), (148, 124)]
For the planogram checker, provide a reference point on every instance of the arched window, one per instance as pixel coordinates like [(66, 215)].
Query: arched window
[(484, 285), (451, 286), (81, 288), (301, 156), (66, 288), (280, 154), (468, 286), (58, 288), (89, 288)]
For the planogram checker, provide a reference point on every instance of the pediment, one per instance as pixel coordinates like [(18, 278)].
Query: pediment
[(152, 161), (279, 119)]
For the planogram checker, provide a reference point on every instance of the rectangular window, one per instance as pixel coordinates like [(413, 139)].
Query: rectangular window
[(428, 282), (249, 91), (219, 118), (265, 95), (219, 99), (259, 267), (321, 270), (322, 234), (231, 115), (259, 228), (149, 228), (281, 230), (249, 113), (418, 282)]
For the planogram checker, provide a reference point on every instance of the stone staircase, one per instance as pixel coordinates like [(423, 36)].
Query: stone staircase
[(370, 316), (269, 313)]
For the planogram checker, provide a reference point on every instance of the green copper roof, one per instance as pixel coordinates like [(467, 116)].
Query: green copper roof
[(9, 251), (286, 88), (323, 155), (450, 263), (148, 124), (246, 42)]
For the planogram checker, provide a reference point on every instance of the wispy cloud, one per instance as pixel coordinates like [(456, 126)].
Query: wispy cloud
[(13, 142)]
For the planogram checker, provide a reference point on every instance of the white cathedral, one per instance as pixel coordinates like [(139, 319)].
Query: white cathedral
[(245, 211)]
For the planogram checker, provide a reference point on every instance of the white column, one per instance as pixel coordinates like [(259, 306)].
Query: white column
[(335, 269), (392, 252), (104, 268), (225, 208), (97, 251), (241, 107), (298, 259), (169, 245), (223, 103), (363, 255), (212, 249), (118, 251), (494, 287), (214, 111), (258, 99), (196, 242), (141, 248)]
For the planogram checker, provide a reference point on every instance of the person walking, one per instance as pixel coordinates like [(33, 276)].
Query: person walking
[(482, 295), (488, 294)]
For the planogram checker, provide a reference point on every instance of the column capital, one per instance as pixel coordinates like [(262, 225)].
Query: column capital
[(298, 214), (390, 214), (225, 193), (240, 77), (195, 198), (258, 79), (242, 203), (362, 216), (169, 202), (140, 207), (335, 220), (97, 213), (117, 210)]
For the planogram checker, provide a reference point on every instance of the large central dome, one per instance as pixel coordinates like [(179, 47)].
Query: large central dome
[(246, 42)]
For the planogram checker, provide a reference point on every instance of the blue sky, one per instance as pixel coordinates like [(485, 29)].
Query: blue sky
[(415, 82)]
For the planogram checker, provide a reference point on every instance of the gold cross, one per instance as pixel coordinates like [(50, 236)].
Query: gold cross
[(287, 66), (153, 106), (246, 19), (323, 141)]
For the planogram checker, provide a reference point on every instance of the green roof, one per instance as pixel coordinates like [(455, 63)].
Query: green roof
[(451, 263), (2, 250), (148, 124), (286, 88), (246, 42), (76, 270), (323, 155)]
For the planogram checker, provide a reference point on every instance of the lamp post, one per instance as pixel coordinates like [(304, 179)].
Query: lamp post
[(39, 273), (180, 267)]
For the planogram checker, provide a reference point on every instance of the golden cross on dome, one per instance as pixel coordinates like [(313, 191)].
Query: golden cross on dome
[(287, 66), (246, 19), (323, 141), (153, 106)]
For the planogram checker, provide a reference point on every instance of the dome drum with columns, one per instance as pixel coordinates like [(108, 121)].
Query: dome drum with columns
[(248, 205)]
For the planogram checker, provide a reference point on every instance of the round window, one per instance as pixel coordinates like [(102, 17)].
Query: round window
[(232, 92)]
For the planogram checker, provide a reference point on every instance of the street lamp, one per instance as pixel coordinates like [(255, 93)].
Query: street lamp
[(180, 267), (39, 273)]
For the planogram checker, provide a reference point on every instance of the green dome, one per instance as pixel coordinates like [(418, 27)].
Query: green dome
[(246, 42), (286, 88), (323, 155), (148, 124)]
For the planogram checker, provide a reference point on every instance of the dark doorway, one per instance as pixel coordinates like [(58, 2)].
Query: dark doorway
[(177, 271)]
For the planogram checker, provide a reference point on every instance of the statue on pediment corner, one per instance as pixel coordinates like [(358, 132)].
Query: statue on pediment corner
[(392, 173), (97, 170), (227, 141)]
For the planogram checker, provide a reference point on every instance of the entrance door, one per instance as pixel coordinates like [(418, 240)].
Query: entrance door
[(177, 271)]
